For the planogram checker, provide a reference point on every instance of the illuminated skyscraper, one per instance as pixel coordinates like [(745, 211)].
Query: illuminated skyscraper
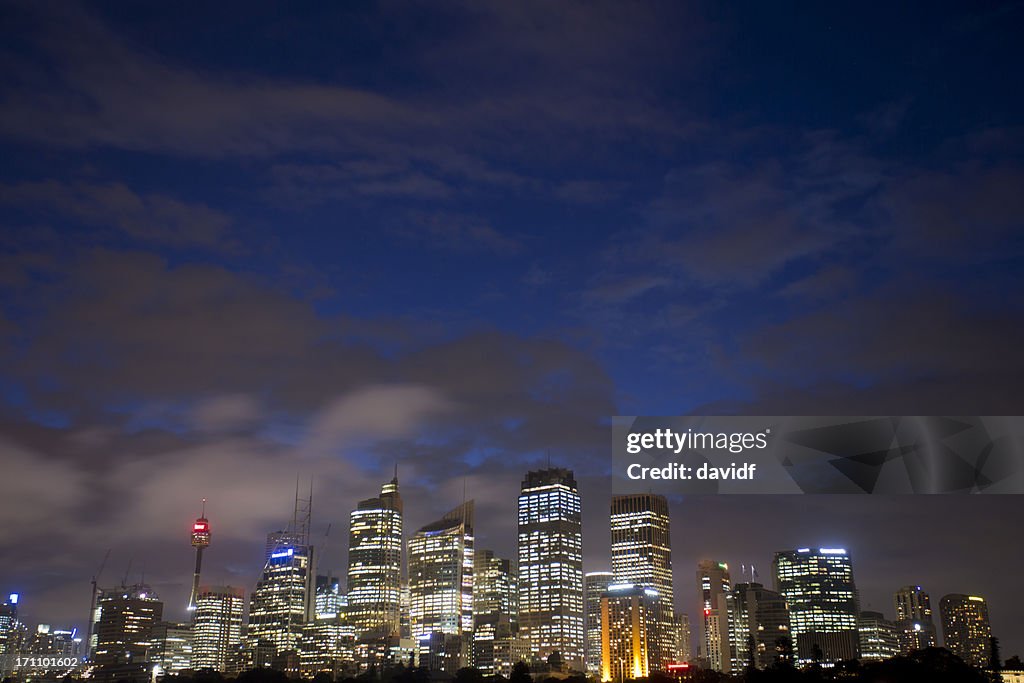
[(284, 598), (55, 642), (629, 620), (760, 617), (375, 564), (551, 565), (170, 647), (596, 584), (683, 649), (497, 646), (823, 605), (965, 628), (441, 561), (914, 619), (217, 630), (125, 627), (714, 585), (9, 640), (642, 555), (879, 637)]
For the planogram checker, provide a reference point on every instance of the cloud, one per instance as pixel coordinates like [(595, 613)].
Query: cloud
[(152, 219)]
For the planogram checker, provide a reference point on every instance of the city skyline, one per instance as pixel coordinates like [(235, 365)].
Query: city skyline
[(740, 573)]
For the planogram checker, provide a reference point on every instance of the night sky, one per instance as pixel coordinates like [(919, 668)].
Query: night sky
[(241, 243)]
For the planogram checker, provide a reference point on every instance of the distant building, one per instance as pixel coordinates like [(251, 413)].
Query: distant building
[(217, 626), (441, 563), (281, 603), (170, 647), (125, 629), (914, 622), (759, 617), (596, 584), (965, 628), (642, 555), (683, 653), (52, 642), (629, 628), (497, 646), (550, 543), (714, 585), (823, 604), (9, 634), (879, 637)]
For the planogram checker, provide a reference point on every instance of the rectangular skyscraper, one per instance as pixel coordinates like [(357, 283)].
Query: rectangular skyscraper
[(914, 619), (217, 626), (551, 565), (126, 624), (629, 615), (441, 564), (642, 555), (818, 586), (497, 646), (375, 565), (713, 585)]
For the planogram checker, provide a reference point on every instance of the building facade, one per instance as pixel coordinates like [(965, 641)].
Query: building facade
[(714, 586), (375, 561), (879, 637), (629, 625), (282, 602), (818, 586), (759, 618), (914, 621), (125, 628), (550, 540), (217, 626), (642, 555), (966, 631), (496, 640)]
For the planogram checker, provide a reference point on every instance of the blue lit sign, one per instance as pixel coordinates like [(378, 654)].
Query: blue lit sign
[(14, 598), (283, 553)]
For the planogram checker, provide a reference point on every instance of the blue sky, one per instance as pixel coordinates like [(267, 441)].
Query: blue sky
[(239, 239)]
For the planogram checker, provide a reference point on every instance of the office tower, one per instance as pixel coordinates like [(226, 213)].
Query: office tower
[(642, 555), (497, 646), (200, 541), (823, 605), (284, 598), (965, 628), (683, 649), (879, 637), (713, 585), (914, 619), (329, 600), (170, 647), (759, 618), (551, 565), (327, 645), (9, 640), (629, 621), (55, 642), (217, 630), (375, 564), (441, 584), (125, 626), (596, 584)]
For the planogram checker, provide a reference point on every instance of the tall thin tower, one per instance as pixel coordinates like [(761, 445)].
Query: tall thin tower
[(200, 540)]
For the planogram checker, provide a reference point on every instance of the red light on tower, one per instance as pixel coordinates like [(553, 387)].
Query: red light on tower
[(201, 533), (200, 540)]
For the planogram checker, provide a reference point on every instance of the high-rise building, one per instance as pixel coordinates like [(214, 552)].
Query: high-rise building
[(596, 585), (328, 641), (714, 586), (170, 647), (497, 646), (759, 617), (642, 555), (966, 631), (279, 539), (375, 565), (217, 626), (125, 627), (441, 561), (55, 642), (282, 601), (9, 640), (684, 637), (879, 637), (823, 604), (629, 621), (551, 565), (914, 622)]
